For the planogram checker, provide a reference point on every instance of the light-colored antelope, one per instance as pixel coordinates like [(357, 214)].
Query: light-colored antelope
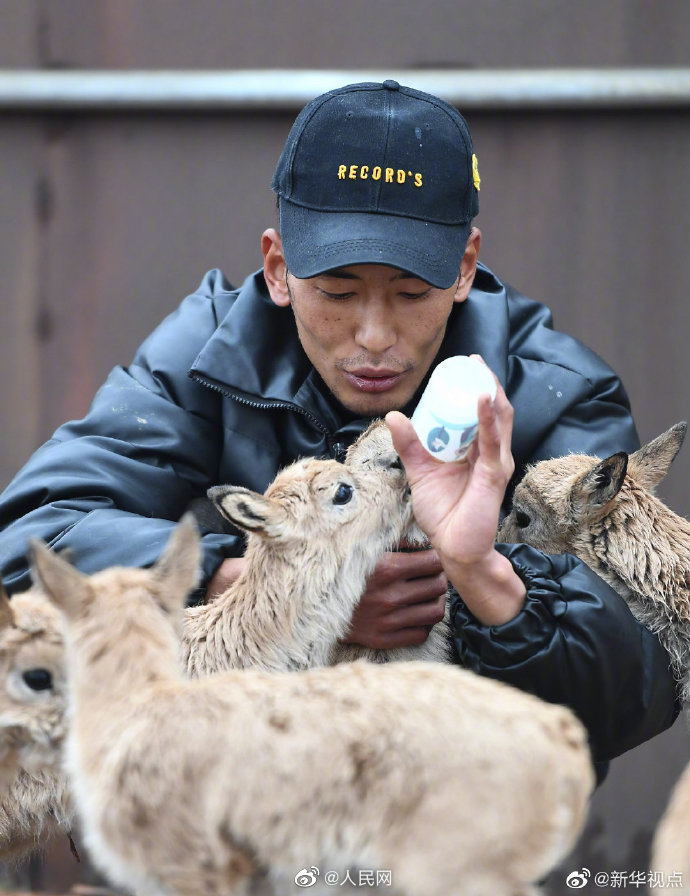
[(308, 555), (671, 843), (374, 450), (453, 783), (606, 513), (35, 802), (306, 568)]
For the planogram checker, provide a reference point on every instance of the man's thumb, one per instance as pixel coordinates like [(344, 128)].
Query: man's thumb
[(405, 439)]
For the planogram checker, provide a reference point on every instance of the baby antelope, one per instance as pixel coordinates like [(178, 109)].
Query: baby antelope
[(312, 540), (454, 783), (606, 513), (35, 803)]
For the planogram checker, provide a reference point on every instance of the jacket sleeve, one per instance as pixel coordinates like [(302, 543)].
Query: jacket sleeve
[(576, 643), (112, 486)]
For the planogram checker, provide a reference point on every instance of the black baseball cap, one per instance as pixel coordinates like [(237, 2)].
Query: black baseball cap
[(377, 173)]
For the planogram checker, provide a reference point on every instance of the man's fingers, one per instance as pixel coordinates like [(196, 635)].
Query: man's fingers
[(488, 438), (402, 637), (421, 591), (403, 584), (401, 565), (420, 613), (504, 427), (418, 462), (495, 430), (405, 439)]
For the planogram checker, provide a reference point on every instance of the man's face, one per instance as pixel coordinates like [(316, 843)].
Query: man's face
[(371, 332)]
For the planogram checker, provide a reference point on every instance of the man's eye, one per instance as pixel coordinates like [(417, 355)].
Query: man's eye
[(336, 296), (415, 295)]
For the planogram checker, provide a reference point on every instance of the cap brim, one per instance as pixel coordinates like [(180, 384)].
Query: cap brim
[(317, 241)]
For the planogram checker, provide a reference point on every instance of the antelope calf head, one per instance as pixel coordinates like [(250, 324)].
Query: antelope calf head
[(324, 504), (32, 683), (374, 450), (565, 504)]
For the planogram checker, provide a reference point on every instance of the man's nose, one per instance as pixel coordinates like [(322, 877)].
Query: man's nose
[(376, 330)]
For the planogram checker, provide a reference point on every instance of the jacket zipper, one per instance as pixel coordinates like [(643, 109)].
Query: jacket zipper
[(263, 405)]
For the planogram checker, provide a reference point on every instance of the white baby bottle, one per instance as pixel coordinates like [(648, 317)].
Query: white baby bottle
[(446, 417)]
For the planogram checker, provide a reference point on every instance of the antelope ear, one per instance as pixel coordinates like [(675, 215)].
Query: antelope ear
[(249, 510), (178, 566), (6, 614), (650, 463), (597, 488), (64, 585)]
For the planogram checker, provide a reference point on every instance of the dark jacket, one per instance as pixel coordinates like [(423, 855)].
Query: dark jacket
[(222, 392)]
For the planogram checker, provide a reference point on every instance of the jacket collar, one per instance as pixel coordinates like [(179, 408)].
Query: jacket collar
[(480, 325), (255, 353)]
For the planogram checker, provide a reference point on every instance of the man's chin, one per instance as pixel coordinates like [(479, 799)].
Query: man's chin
[(372, 405)]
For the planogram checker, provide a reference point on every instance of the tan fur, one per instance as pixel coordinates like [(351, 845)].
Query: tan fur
[(34, 808), (307, 562), (671, 844), (293, 606), (34, 798), (305, 572), (605, 513), (374, 450), (455, 783)]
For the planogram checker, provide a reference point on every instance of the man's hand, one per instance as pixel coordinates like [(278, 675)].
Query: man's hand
[(227, 573), (457, 505), (405, 596)]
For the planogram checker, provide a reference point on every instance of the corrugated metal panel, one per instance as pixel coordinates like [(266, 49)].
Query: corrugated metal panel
[(107, 220)]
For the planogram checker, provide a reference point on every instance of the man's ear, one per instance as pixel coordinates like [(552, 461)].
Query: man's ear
[(468, 268), (275, 267)]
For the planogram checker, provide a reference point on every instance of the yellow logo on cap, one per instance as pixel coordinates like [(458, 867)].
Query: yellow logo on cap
[(387, 175), (475, 173)]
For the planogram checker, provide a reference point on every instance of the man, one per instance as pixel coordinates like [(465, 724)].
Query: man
[(372, 280)]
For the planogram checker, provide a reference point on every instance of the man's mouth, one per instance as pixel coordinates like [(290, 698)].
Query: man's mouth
[(373, 380)]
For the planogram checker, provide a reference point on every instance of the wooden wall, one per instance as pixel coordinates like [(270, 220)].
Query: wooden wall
[(107, 219)]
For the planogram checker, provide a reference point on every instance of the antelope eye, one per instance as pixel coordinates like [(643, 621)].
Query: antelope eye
[(522, 519), (38, 679), (343, 493)]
